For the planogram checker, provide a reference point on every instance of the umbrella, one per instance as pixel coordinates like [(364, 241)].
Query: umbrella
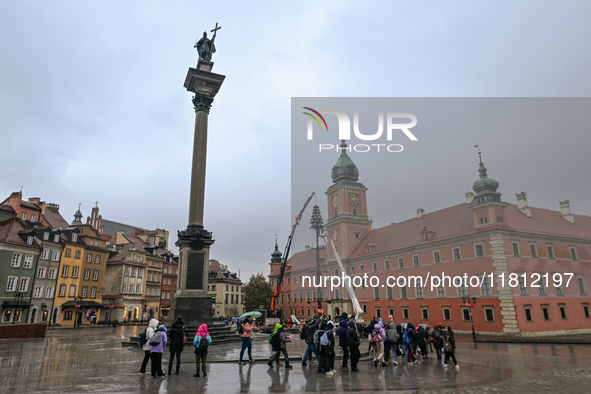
[(252, 314)]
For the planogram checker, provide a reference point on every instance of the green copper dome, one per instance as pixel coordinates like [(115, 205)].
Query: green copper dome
[(484, 183), (344, 169), (276, 255), (485, 187), (78, 216)]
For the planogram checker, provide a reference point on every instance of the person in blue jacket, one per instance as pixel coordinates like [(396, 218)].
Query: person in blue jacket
[(201, 342)]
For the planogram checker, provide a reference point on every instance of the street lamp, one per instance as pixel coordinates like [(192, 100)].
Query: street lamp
[(466, 300), (18, 297), (144, 303)]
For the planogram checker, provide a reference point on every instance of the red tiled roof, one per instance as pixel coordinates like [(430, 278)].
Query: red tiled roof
[(545, 221), (55, 219), (9, 232), (448, 223), (30, 205)]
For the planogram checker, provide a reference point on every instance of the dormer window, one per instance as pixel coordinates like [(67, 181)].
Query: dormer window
[(24, 216), (426, 237), (45, 236), (56, 238), (30, 240), (74, 237), (32, 218)]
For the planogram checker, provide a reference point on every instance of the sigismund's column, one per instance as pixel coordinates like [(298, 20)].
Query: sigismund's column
[(191, 300)]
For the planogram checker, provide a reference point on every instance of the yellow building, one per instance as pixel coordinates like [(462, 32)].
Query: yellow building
[(226, 290), (80, 278)]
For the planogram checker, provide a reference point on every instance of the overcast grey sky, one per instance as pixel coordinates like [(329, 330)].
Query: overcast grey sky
[(92, 104)]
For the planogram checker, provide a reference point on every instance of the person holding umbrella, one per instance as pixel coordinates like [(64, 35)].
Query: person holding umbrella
[(246, 341)]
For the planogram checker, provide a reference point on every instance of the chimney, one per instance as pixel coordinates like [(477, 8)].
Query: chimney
[(307, 247), (522, 204), (469, 197), (566, 213), (420, 212)]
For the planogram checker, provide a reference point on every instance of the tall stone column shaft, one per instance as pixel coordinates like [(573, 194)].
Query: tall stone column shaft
[(197, 197)]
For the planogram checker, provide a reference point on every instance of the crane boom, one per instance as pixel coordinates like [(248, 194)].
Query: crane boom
[(354, 301), (286, 253)]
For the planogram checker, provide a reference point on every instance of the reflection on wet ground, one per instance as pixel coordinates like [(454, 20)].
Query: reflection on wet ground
[(92, 360)]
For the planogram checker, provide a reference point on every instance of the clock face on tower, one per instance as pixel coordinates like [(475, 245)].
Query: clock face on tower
[(354, 198), (335, 201)]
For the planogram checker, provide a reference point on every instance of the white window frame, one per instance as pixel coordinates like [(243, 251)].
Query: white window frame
[(74, 237), (72, 291), (28, 262), (436, 256), (93, 292), (45, 236), (55, 255), (49, 292), (89, 258), (52, 273), (41, 272), (56, 238), (11, 287), (24, 285), (77, 254), (453, 252), (95, 275), (44, 254), (16, 260), (415, 260), (38, 293), (62, 292), (75, 271), (481, 244), (30, 240), (97, 259), (84, 291), (401, 262), (87, 274)]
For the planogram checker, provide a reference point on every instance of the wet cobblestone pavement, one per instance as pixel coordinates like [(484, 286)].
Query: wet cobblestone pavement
[(93, 360)]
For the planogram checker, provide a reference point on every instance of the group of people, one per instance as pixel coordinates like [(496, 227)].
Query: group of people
[(156, 337), (386, 340)]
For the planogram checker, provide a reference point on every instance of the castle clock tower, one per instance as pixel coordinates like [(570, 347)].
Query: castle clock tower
[(348, 222)]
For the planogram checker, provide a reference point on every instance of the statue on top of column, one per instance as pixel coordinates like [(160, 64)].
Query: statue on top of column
[(205, 46)]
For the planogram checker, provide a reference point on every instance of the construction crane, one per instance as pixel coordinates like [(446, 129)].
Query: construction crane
[(286, 254)]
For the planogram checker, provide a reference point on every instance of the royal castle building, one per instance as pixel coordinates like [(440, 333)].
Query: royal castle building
[(532, 266)]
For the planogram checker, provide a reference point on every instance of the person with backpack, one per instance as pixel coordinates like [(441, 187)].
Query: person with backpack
[(353, 344), (449, 347), (422, 341), (275, 343), (157, 343), (309, 329), (437, 341), (409, 338), (343, 344), (429, 338), (246, 335), (145, 342), (378, 336), (176, 336), (201, 342), (392, 335), (327, 341), (317, 335)]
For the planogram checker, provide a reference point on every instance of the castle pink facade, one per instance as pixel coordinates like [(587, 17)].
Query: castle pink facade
[(482, 236)]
